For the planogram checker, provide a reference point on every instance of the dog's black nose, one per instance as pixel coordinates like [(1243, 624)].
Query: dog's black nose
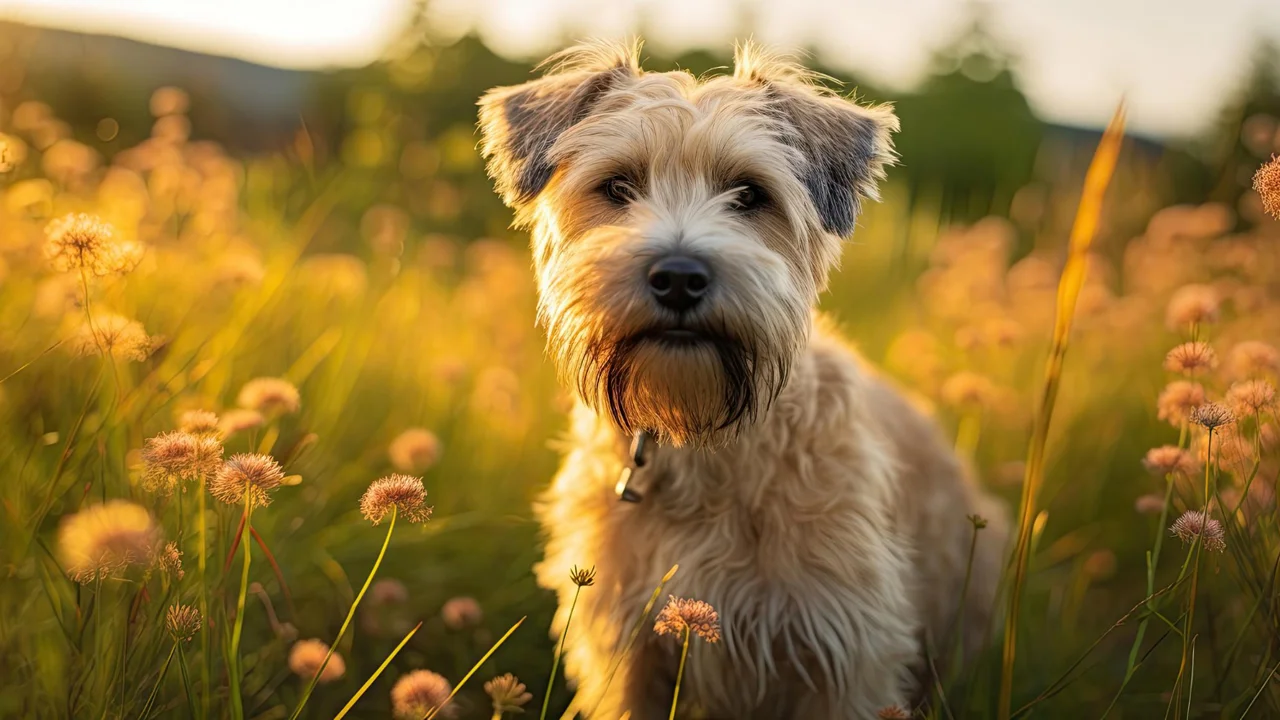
[(679, 281)]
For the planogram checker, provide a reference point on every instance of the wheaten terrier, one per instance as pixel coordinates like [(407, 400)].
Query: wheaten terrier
[(683, 229)]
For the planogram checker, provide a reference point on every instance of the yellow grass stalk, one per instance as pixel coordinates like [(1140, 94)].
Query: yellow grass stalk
[(367, 683), (1073, 273), (474, 668)]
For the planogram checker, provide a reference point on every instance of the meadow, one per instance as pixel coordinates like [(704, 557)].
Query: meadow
[(208, 367)]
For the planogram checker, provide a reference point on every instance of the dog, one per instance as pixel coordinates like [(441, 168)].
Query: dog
[(682, 230)]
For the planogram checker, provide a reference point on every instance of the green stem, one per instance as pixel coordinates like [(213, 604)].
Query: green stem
[(555, 663), (202, 562), (233, 656), (436, 710), (635, 633), (367, 683), (684, 655), (311, 686), (186, 681), (164, 669)]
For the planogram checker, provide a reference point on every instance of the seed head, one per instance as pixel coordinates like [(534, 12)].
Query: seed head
[(1251, 397), (1212, 415), (508, 694), (270, 396), (461, 612), (696, 616), (169, 560), (583, 578), (967, 390), (418, 693), (249, 473), (388, 592), (174, 457), (182, 621), (199, 422), (1190, 358), (1193, 524), (1168, 460), (1266, 182), (305, 658), (102, 541), (1177, 400), (1192, 305), (403, 492), (238, 420), (414, 450), (1253, 358), (84, 243), (112, 336), (1149, 504)]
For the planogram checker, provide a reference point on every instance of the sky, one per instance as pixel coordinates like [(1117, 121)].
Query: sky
[(1173, 60)]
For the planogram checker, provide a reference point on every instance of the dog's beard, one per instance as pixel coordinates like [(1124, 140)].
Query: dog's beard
[(687, 387)]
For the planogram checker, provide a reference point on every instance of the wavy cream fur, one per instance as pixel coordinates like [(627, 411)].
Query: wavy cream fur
[(801, 495)]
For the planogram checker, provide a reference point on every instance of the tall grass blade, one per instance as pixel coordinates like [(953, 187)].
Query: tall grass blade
[(474, 668), (368, 683)]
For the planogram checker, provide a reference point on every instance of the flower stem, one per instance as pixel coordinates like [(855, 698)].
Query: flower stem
[(233, 657), (164, 669), (684, 655), (555, 664), (202, 563), (311, 686), (367, 683)]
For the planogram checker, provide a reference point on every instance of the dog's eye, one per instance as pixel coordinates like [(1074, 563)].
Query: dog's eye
[(619, 190), (748, 196)]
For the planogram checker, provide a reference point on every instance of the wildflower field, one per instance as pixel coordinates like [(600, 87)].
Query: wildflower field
[(271, 425)]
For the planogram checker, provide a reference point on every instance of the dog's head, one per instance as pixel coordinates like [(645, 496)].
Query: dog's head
[(682, 228)]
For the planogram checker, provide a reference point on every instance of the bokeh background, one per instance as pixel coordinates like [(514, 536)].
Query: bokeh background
[(305, 181)]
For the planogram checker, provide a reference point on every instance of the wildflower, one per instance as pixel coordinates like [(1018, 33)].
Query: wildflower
[(1149, 504), (1193, 524), (199, 422), (508, 694), (1251, 397), (461, 612), (238, 420), (179, 456), (388, 592), (696, 616), (403, 492), (1167, 460), (1253, 358), (169, 101), (1192, 305), (1266, 182), (182, 621), (305, 658), (1190, 357), (1177, 400), (270, 396), (169, 560), (418, 693), (893, 712), (1212, 415), (251, 473), (414, 450), (102, 541), (583, 578), (112, 336), (968, 390), (84, 243)]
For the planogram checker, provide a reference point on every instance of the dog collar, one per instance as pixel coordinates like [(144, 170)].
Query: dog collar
[(623, 489)]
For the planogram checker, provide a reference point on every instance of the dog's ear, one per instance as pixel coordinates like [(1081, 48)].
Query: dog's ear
[(845, 146), (520, 123)]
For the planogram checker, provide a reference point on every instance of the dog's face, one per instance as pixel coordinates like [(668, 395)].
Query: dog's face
[(682, 229)]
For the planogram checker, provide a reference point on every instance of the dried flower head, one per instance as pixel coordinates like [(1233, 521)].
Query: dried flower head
[(1266, 182), (1212, 415), (1253, 358), (583, 578), (182, 621), (893, 712), (84, 243), (199, 422), (173, 457), (461, 612), (1150, 504), (238, 420), (1177, 400), (1192, 305), (388, 591), (306, 656), (270, 396), (1193, 524), (968, 390), (414, 450), (169, 560), (1251, 397), (508, 694), (102, 541), (1190, 358), (696, 616), (402, 492), (1167, 460), (112, 336), (418, 693), (250, 473)]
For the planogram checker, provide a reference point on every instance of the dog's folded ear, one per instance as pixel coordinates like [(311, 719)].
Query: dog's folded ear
[(845, 146), (519, 124)]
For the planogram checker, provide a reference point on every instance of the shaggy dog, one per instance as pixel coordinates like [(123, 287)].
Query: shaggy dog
[(683, 229)]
